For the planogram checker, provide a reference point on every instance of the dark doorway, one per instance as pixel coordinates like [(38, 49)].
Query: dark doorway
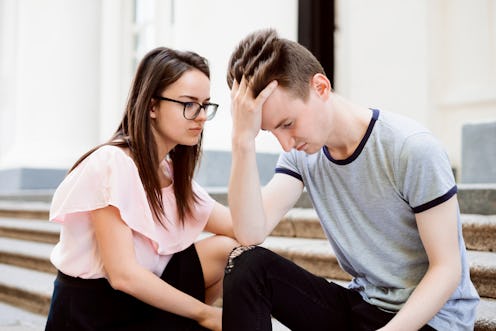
[(316, 31)]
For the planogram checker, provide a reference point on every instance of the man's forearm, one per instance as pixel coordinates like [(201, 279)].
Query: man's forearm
[(428, 298), (245, 198)]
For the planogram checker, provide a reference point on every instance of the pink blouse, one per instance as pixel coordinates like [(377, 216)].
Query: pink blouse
[(110, 177)]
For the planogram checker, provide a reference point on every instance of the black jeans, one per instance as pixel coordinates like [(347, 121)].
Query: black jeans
[(259, 284)]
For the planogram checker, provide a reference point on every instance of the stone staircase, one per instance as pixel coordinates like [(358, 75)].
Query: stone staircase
[(26, 240)]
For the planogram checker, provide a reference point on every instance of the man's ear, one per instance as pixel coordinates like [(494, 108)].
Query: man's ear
[(321, 84)]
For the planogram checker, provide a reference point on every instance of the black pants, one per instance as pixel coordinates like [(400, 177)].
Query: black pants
[(259, 283), (92, 304)]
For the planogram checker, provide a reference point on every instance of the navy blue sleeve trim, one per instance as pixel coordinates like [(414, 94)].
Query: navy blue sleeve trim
[(436, 201), (288, 172)]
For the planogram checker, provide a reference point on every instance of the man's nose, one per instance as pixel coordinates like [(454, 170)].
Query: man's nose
[(286, 141)]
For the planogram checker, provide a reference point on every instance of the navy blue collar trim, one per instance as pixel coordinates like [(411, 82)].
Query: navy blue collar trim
[(358, 150)]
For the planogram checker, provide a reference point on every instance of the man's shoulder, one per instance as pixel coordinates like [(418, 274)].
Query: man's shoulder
[(400, 124), (397, 131)]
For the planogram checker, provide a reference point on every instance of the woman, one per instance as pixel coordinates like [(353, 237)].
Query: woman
[(131, 213)]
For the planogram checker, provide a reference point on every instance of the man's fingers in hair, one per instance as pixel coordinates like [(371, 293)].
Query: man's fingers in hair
[(243, 86), (239, 89), (266, 92), (234, 88)]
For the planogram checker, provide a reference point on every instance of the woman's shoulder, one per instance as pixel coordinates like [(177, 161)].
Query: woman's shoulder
[(105, 176), (104, 163), (107, 151), (106, 157)]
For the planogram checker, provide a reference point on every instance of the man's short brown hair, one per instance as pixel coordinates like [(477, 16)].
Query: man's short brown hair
[(263, 56)]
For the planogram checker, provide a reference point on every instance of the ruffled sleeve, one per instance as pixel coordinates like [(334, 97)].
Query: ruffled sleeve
[(109, 177)]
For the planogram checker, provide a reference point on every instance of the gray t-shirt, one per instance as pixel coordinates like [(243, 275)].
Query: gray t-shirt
[(367, 205)]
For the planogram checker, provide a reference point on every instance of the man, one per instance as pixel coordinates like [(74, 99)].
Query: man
[(381, 185)]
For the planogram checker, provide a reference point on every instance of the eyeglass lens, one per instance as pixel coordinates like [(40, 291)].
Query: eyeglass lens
[(192, 110)]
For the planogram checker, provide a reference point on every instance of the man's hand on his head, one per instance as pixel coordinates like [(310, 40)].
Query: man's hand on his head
[(246, 110)]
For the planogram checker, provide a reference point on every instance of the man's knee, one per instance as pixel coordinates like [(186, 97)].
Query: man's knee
[(248, 260), (245, 270), (234, 260)]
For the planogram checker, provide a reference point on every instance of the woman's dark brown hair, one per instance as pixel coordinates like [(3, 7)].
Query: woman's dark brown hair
[(159, 68), (263, 56)]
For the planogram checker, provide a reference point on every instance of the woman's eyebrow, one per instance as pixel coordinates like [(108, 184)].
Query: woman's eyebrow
[(193, 98)]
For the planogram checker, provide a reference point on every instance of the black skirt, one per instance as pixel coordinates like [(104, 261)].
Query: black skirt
[(92, 304)]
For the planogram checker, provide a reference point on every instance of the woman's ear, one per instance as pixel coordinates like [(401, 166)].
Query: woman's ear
[(321, 84), (153, 109)]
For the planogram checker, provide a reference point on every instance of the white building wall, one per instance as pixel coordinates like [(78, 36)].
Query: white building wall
[(462, 70), (434, 61), (210, 28), (52, 100), (382, 55), (8, 77), (66, 65), (213, 28)]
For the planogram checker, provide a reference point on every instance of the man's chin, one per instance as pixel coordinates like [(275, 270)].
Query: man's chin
[(312, 151)]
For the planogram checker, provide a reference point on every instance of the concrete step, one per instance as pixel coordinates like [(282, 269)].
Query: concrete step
[(479, 231), (486, 315), (486, 320), (26, 254), (26, 299), (316, 255), (24, 209), (26, 288), (30, 229), (13, 318), (473, 199), (31, 290)]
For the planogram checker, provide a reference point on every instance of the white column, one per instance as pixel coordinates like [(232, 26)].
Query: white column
[(115, 65), (8, 78), (51, 116)]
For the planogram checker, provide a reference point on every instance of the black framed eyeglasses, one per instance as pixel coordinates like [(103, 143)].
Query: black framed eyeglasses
[(192, 109)]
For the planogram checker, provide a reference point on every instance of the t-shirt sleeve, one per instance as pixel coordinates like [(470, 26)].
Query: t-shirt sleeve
[(287, 164), (425, 175)]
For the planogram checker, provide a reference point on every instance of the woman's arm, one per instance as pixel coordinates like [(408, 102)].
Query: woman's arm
[(115, 244), (219, 221), (438, 230)]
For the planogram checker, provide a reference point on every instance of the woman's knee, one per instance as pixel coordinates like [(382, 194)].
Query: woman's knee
[(216, 246), (213, 253)]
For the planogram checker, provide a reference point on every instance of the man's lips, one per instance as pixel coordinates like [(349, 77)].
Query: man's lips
[(301, 146)]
